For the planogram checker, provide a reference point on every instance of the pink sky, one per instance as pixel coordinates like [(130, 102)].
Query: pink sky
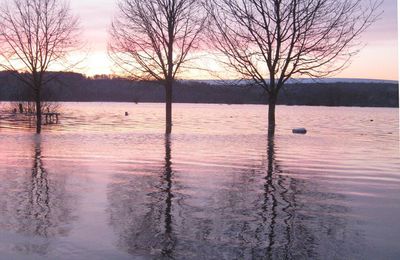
[(377, 60)]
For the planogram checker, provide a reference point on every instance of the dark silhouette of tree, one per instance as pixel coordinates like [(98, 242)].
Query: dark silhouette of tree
[(35, 35), (151, 40), (270, 41)]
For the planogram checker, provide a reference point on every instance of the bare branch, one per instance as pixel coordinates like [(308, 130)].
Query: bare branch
[(152, 39), (279, 39), (36, 35)]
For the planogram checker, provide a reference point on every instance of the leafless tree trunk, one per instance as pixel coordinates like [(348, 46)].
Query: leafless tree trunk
[(271, 41), (34, 36), (151, 40)]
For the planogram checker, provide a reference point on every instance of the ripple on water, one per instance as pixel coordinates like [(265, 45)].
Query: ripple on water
[(216, 188)]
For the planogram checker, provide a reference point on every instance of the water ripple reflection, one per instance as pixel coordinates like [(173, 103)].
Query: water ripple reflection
[(35, 203), (104, 186), (259, 213)]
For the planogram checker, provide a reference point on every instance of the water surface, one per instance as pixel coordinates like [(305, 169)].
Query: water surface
[(104, 186)]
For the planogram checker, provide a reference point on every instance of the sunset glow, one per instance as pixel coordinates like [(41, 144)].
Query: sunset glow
[(376, 60)]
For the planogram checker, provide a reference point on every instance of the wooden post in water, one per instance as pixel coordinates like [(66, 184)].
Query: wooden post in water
[(50, 118)]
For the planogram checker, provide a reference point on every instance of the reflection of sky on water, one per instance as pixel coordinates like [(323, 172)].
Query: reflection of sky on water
[(103, 185), (255, 214), (35, 203)]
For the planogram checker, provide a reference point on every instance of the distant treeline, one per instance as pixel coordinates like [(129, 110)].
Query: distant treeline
[(77, 87)]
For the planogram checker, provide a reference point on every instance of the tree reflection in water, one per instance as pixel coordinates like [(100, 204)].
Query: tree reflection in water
[(144, 221), (169, 243), (305, 219), (260, 212), (39, 196), (38, 206)]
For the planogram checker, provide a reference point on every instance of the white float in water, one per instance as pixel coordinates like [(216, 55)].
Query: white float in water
[(299, 131)]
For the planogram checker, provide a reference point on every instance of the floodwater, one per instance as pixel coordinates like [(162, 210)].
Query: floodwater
[(100, 185)]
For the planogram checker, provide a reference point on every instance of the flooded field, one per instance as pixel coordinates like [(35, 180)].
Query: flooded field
[(102, 185)]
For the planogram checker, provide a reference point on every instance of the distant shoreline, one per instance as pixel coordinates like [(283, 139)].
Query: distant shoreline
[(73, 87)]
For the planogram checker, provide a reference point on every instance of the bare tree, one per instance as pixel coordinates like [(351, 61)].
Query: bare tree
[(36, 35), (271, 41), (151, 40)]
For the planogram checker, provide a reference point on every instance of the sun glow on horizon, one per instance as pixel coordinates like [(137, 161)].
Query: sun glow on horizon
[(376, 60), (366, 65)]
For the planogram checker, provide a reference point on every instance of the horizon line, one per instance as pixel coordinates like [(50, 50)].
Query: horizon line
[(316, 79)]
